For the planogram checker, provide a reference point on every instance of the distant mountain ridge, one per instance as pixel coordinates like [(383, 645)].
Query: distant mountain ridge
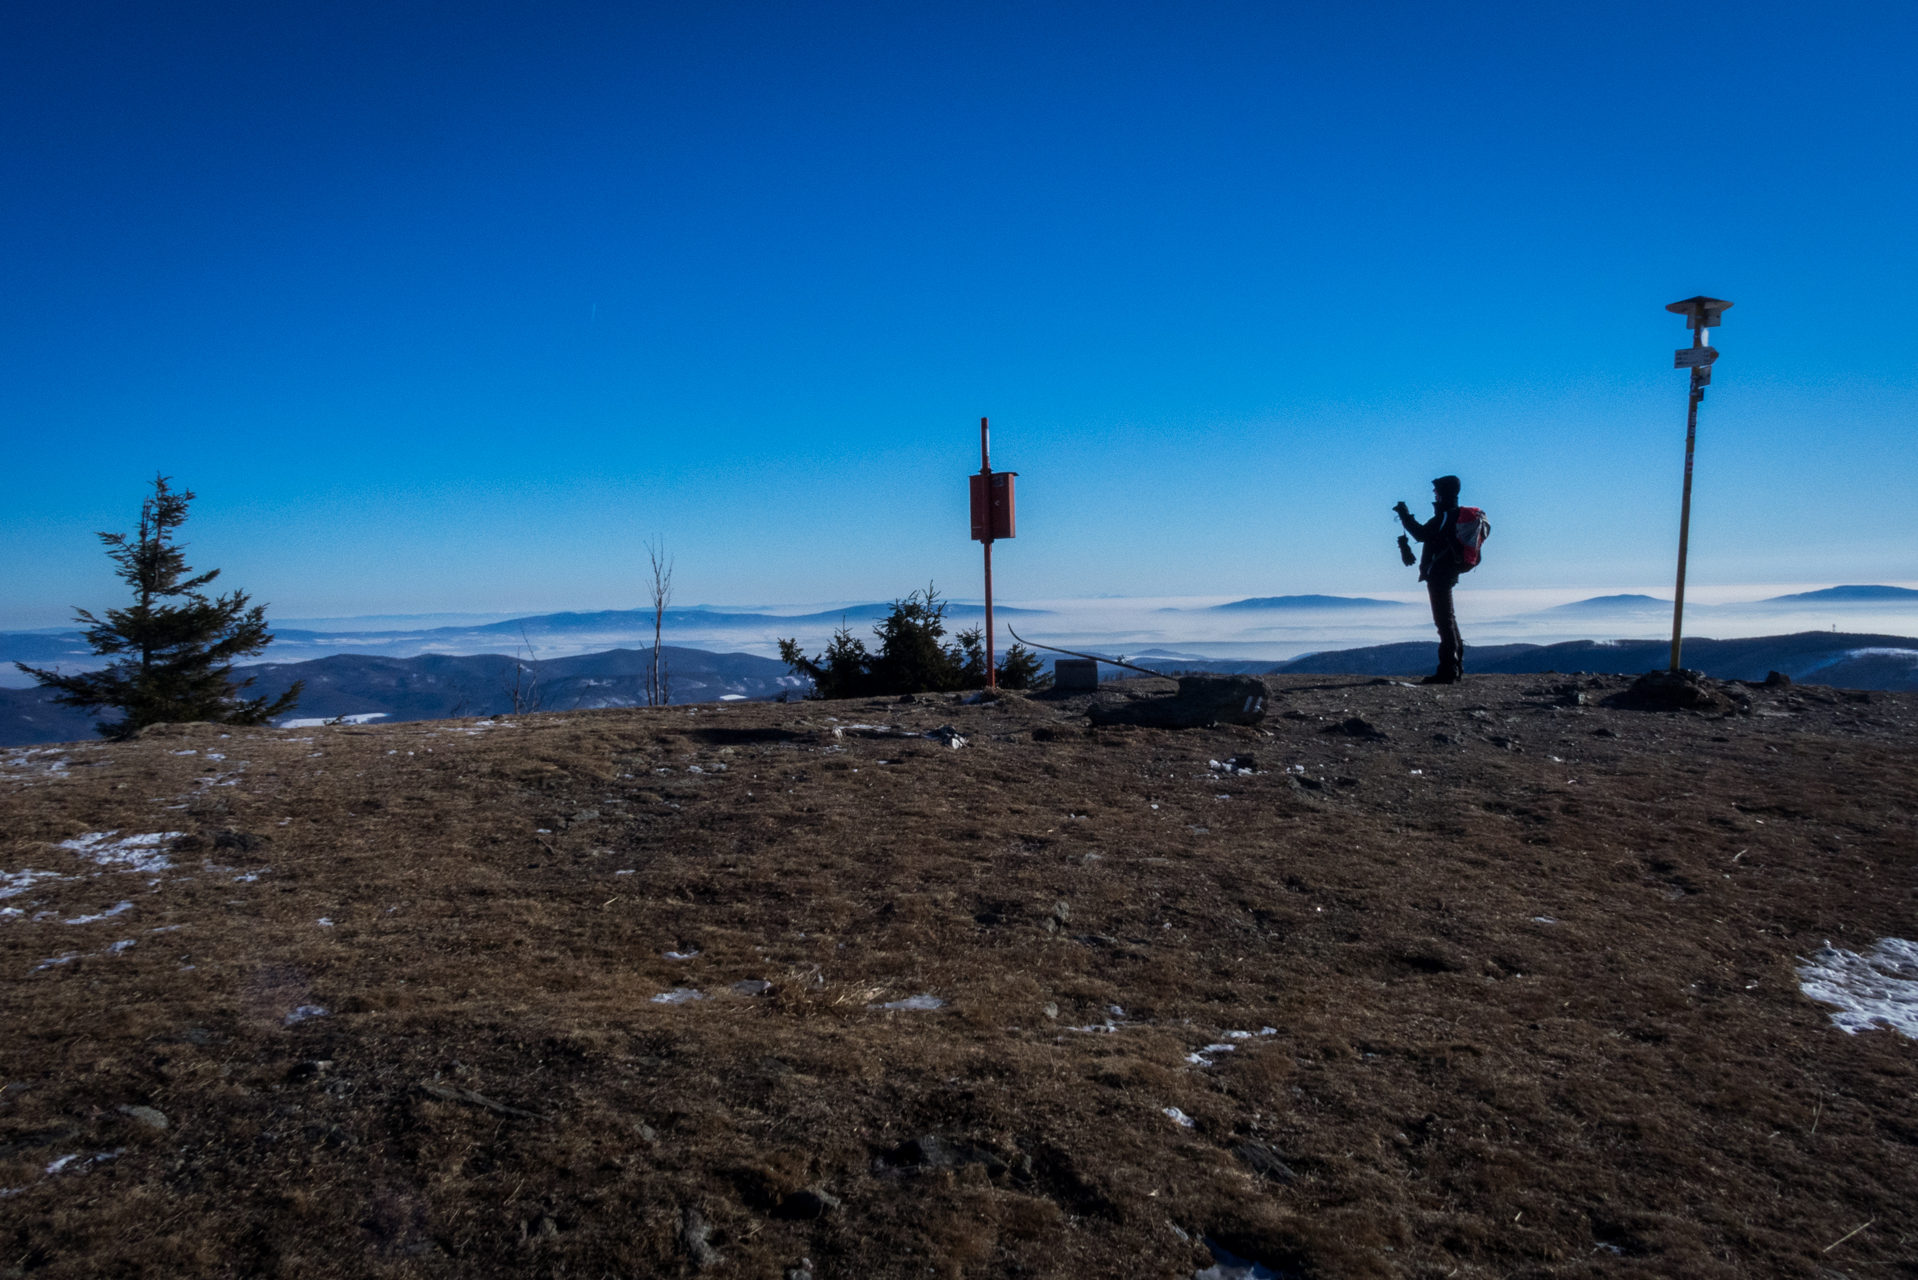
[(1310, 602), (1824, 657), (642, 619), (440, 686), (550, 630), (1599, 604), (437, 686), (1845, 594)]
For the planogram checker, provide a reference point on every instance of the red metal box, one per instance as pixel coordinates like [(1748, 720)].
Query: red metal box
[(992, 510)]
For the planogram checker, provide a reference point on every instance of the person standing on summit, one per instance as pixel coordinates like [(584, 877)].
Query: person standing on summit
[(1440, 564)]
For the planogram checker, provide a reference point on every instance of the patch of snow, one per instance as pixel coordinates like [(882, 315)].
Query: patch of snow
[(1227, 1265), (681, 955), (120, 946), (1543, 920), (627, 872), (56, 960), (15, 883), (108, 914), (130, 853), (62, 1163), (1199, 1058), (302, 1013), (678, 995), (1180, 1118), (1871, 991), (315, 722), (732, 697), (325, 922), (1834, 659), (914, 1002)]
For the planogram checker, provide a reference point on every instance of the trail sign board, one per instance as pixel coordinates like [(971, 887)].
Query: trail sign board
[(1691, 357)]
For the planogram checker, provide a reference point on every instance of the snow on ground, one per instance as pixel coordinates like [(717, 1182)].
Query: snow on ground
[(922, 1002), (1877, 990), (129, 853), (315, 722), (1227, 1265), (15, 883), (108, 914)]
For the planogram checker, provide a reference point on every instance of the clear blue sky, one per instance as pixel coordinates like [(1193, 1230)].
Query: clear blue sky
[(450, 306)]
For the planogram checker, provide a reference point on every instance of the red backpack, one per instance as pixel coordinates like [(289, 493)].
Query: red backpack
[(1471, 529)]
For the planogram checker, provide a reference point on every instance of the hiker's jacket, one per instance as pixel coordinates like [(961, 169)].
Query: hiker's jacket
[(1440, 558)]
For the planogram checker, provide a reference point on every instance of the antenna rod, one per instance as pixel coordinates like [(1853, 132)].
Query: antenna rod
[(1074, 653)]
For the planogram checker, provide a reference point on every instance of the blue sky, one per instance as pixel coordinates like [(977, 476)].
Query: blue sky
[(451, 306)]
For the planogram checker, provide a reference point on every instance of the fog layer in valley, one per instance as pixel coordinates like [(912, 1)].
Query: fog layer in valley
[(1193, 626)]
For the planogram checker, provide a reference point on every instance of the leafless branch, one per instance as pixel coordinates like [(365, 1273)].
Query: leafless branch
[(661, 592)]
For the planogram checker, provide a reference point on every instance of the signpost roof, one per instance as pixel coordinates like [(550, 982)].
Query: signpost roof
[(1701, 306)]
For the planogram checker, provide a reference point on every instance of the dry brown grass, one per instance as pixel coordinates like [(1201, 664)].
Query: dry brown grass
[(1453, 1087)]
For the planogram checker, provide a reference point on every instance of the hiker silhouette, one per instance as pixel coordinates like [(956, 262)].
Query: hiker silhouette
[(1441, 562)]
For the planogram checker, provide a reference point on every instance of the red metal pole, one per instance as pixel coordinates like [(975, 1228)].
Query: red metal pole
[(985, 469), (992, 671)]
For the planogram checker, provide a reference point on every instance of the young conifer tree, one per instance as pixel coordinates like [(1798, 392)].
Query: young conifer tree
[(175, 660), (913, 657)]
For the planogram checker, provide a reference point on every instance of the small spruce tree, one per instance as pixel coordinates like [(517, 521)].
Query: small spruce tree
[(1021, 668), (175, 661), (913, 657)]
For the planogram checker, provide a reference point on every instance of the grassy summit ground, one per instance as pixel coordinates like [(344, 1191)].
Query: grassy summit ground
[(1499, 985)]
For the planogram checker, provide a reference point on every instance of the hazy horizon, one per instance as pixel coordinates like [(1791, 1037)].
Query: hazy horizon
[(1188, 625)]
